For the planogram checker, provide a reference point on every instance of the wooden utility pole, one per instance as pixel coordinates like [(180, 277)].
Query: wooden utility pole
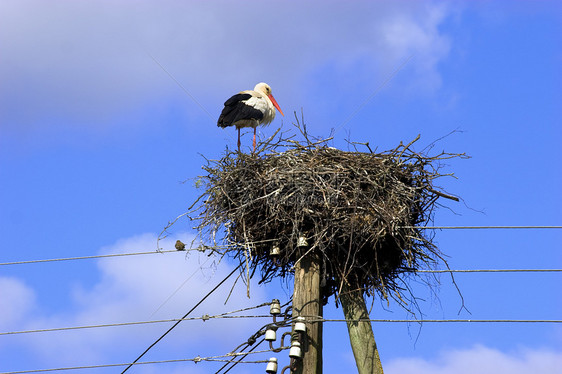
[(307, 302), (361, 334)]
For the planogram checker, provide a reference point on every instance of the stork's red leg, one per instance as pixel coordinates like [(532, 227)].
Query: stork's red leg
[(238, 139), (254, 139)]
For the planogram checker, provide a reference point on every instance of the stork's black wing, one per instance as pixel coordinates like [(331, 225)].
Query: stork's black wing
[(236, 109)]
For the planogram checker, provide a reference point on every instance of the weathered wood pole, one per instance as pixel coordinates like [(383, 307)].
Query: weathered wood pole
[(307, 302), (361, 334)]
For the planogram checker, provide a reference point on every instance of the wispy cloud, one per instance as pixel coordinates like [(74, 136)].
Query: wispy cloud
[(85, 64), (16, 301), (482, 360)]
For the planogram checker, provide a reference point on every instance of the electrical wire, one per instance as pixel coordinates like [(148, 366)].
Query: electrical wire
[(178, 322), (378, 89), (201, 248), (203, 318), (227, 315), (84, 257), (180, 287), (242, 357), (204, 247), (252, 339), (182, 87), (477, 227), (316, 319), (491, 271), (220, 358)]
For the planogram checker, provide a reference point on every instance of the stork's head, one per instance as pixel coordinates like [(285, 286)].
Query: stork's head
[(263, 88), (266, 90)]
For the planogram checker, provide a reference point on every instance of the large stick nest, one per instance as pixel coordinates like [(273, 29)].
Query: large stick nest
[(361, 212)]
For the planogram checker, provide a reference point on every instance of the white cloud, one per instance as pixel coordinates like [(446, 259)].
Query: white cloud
[(86, 63), (406, 34), (482, 360), (16, 301)]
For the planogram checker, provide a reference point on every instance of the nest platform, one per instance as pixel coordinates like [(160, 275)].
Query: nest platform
[(361, 212)]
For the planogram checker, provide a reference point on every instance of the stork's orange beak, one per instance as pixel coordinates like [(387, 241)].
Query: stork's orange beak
[(275, 104)]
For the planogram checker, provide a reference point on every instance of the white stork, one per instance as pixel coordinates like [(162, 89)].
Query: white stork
[(249, 109)]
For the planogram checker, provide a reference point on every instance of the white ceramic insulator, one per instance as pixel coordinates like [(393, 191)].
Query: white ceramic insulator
[(271, 366), (270, 335), (275, 251), (295, 350), (300, 326), (275, 307), (302, 242)]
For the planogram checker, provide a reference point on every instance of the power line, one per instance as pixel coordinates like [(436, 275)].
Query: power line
[(178, 322), (200, 249), (205, 247), (252, 339), (438, 320), (227, 315), (478, 227), (119, 324), (378, 89), (180, 287), (207, 317), (221, 358), (219, 247), (85, 257), (182, 87), (242, 357), (491, 271)]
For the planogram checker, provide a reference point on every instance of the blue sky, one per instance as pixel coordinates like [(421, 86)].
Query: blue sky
[(96, 141)]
